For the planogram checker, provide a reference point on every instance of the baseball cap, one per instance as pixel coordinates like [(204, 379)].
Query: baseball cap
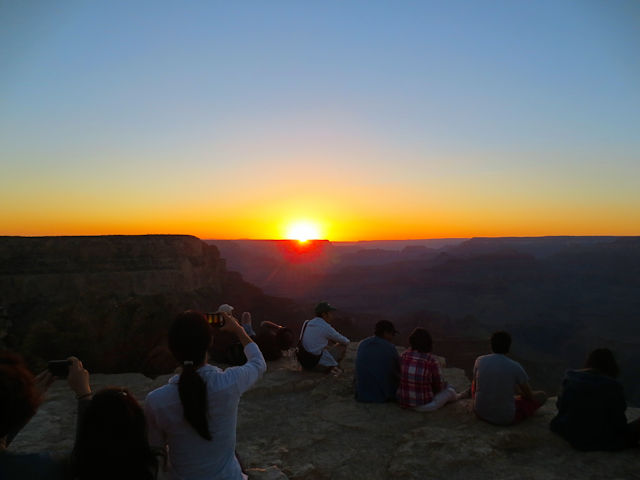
[(324, 307)]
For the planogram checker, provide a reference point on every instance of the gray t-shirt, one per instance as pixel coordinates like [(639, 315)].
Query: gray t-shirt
[(496, 377)]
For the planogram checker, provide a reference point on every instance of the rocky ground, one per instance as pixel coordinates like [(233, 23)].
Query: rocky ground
[(301, 425)]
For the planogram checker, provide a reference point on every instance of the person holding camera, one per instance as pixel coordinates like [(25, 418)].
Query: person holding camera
[(195, 414), (20, 396), (111, 435)]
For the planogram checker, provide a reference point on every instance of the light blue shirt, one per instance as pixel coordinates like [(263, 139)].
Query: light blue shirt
[(192, 457), (316, 337)]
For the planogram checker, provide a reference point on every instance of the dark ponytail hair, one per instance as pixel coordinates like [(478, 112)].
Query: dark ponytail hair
[(189, 339)]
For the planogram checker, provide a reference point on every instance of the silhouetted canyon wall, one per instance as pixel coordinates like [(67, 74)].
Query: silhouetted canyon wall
[(110, 299)]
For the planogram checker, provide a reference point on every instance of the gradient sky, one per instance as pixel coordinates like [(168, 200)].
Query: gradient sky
[(376, 120)]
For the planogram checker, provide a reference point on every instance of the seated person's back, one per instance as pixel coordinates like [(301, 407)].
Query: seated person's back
[(377, 366), (496, 377), (591, 407), (496, 381)]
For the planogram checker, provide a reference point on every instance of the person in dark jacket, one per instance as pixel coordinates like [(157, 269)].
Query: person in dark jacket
[(378, 366), (591, 407)]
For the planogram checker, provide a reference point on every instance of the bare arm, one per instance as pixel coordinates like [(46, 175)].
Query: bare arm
[(78, 381), (525, 390)]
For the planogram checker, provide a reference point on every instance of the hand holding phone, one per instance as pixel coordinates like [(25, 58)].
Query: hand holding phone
[(215, 319)]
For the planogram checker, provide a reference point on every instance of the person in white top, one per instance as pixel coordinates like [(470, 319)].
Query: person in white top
[(195, 414), (318, 333)]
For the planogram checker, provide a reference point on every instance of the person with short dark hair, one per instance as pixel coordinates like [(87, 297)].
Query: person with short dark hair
[(422, 386), (316, 335), (591, 407), (377, 366), (500, 342), (496, 378), (195, 414)]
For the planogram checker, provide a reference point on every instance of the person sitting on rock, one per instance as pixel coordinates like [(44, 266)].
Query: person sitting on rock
[(195, 414), (316, 335), (591, 407), (496, 379), (273, 339), (422, 386), (247, 323), (378, 366)]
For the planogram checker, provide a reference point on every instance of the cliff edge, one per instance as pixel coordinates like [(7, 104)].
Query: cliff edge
[(301, 425)]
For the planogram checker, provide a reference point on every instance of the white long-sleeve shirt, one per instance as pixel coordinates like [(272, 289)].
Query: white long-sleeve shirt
[(316, 337), (191, 456)]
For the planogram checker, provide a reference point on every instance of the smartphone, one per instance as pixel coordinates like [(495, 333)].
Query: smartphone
[(215, 319), (59, 368)]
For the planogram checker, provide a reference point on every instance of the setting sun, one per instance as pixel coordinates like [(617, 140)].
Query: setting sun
[(303, 231)]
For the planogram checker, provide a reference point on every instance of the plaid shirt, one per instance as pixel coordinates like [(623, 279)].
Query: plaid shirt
[(420, 378)]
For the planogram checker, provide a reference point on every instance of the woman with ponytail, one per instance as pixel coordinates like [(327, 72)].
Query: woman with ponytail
[(195, 414)]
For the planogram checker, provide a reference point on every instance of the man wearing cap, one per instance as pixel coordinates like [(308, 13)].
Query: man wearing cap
[(378, 366), (316, 336)]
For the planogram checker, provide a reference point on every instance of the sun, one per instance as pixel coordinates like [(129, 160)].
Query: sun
[(303, 231)]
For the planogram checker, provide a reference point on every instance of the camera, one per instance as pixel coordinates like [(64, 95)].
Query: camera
[(215, 319), (59, 368)]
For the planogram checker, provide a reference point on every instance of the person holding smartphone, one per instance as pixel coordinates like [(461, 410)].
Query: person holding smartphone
[(20, 396), (195, 414), (111, 437)]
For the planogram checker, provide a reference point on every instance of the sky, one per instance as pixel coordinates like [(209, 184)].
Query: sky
[(367, 120)]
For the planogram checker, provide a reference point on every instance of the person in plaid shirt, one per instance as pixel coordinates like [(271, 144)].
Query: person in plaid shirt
[(422, 386)]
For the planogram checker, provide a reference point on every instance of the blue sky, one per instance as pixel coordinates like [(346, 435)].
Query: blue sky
[(536, 99)]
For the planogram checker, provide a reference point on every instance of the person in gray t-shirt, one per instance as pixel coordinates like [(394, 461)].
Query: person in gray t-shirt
[(496, 379)]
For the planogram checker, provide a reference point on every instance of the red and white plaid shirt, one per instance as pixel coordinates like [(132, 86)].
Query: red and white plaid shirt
[(420, 378)]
